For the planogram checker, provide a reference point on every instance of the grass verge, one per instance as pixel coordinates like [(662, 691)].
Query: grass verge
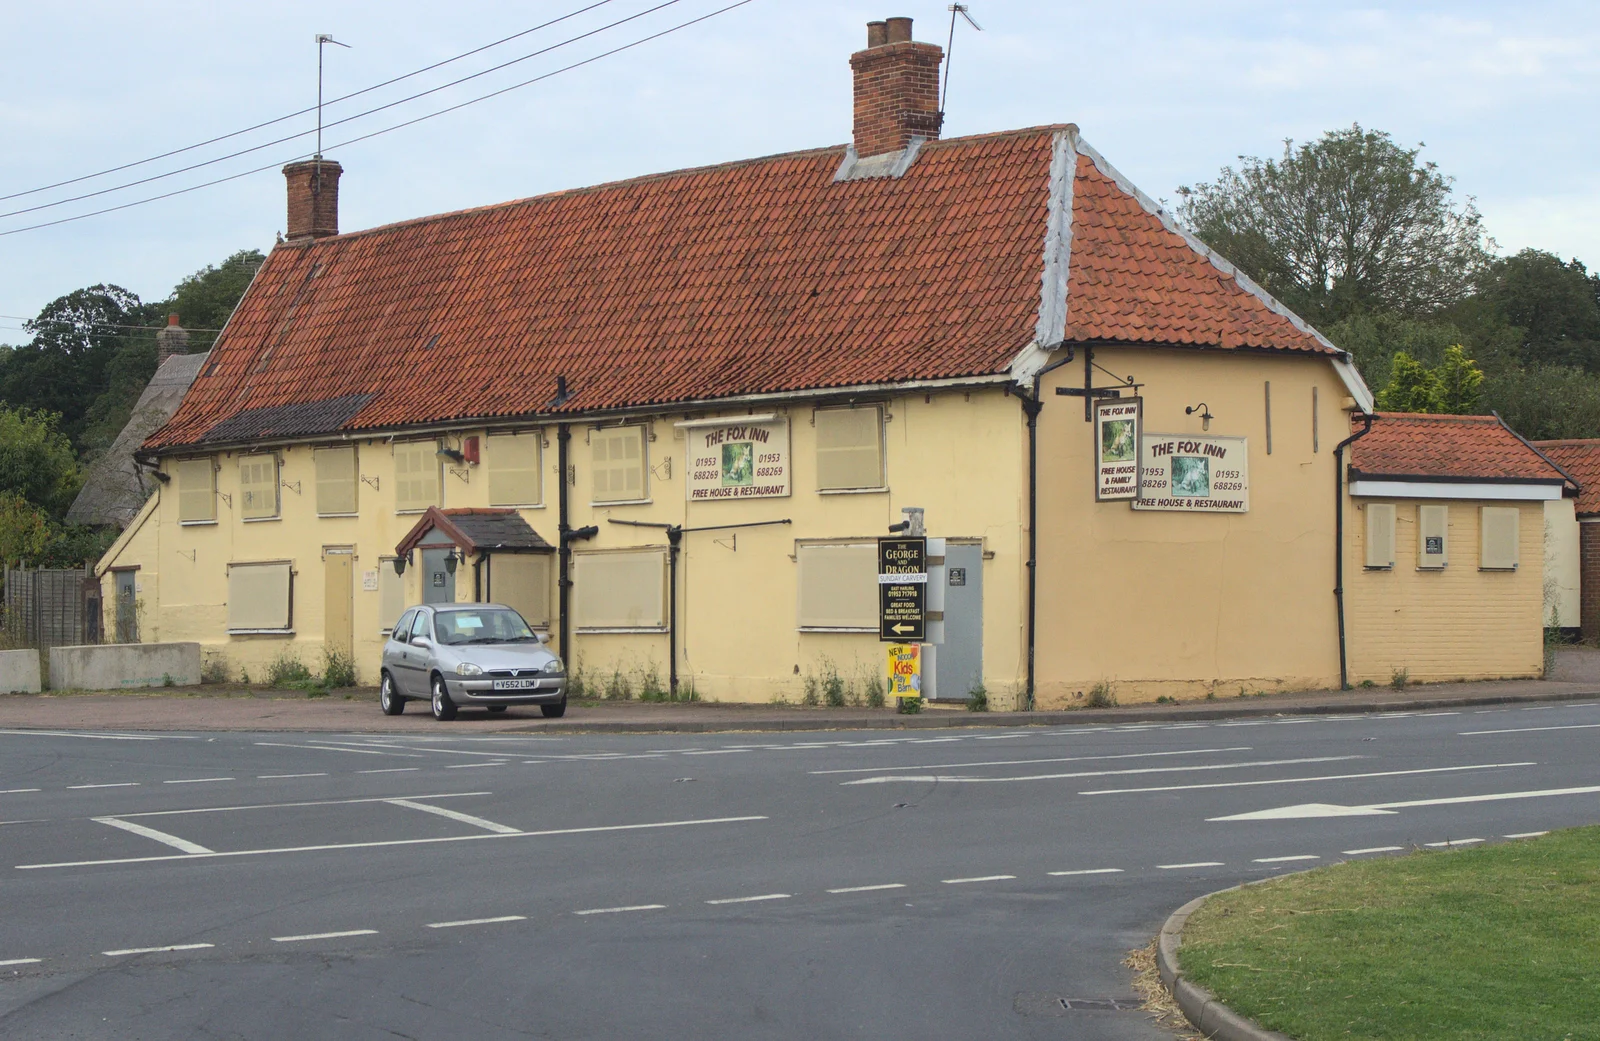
[(1496, 942)]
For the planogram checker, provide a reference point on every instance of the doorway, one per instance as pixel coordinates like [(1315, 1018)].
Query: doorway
[(438, 581), (958, 662), (338, 575)]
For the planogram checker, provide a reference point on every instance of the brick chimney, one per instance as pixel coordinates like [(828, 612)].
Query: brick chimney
[(897, 89), (313, 199), (174, 339)]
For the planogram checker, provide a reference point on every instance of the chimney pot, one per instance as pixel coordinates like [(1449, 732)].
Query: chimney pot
[(172, 319), (877, 34), (899, 30), (896, 89), (313, 198)]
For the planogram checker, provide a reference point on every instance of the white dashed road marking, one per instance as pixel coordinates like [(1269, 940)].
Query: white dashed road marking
[(119, 784), (1374, 849), (19, 791), (960, 779), (1090, 871), (1198, 863), (869, 889), (21, 961), (478, 921), (277, 777), (1027, 762), (1302, 780), (979, 878), (325, 936), (1529, 730), (1452, 842), (620, 910), (157, 950), (751, 899), (198, 780), (1285, 860), (1527, 834)]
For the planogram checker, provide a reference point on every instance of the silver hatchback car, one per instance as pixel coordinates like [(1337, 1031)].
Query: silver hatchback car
[(469, 654)]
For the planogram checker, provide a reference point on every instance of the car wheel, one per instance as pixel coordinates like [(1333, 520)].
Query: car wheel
[(388, 698), (497, 708), (555, 711), (443, 707)]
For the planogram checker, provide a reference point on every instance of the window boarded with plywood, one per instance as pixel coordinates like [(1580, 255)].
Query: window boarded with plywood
[(849, 448), (260, 597), (258, 487), (838, 586), (1380, 535), (336, 481), (197, 490), (416, 476), (1499, 529), (1433, 536), (617, 459), (391, 594), (521, 581), (626, 589), (513, 465)]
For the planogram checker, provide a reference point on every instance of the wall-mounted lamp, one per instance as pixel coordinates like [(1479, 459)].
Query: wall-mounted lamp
[(399, 565), (1205, 414), (451, 560), (451, 454), (164, 478)]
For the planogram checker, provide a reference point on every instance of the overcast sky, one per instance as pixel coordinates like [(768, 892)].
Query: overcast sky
[(1503, 95)]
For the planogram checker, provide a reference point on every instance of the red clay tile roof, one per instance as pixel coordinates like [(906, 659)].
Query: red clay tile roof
[(1464, 448), (1580, 458), (754, 277)]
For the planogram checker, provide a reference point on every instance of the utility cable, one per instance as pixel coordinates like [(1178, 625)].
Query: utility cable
[(337, 122), (385, 130), (308, 109)]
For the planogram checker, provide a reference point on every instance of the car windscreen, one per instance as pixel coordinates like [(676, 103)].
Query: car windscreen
[(492, 625)]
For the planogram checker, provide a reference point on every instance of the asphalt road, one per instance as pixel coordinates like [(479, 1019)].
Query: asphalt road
[(954, 884)]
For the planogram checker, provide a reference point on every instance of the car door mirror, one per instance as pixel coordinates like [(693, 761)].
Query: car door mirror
[(421, 641), (542, 637)]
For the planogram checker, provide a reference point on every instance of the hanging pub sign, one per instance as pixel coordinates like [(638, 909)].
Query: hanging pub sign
[(738, 460), (1116, 448), (1196, 473)]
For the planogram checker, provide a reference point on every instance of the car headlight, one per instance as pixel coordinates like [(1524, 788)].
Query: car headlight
[(466, 668), (553, 665)]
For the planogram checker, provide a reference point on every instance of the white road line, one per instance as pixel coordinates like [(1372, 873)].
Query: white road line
[(392, 770), (751, 899), (1027, 762), (396, 842), (21, 961), (1527, 834), (869, 889), (1089, 871), (464, 818), (68, 733), (1452, 842), (1529, 730), (119, 784), (325, 936), (357, 746), (1300, 780), (335, 748), (1374, 849), (199, 780), (478, 921), (157, 950), (296, 805), (1198, 863), (1285, 860), (469, 766), (619, 910), (716, 751), (150, 833), (277, 777), (961, 779), (19, 791), (978, 878)]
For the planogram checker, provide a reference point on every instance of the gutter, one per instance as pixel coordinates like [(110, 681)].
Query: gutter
[(1338, 541)]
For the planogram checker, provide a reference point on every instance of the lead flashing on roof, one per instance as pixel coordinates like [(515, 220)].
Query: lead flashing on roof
[(889, 164), (1052, 324)]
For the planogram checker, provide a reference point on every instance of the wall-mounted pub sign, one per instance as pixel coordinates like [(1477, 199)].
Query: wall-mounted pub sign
[(738, 460), (1117, 423), (1194, 473)]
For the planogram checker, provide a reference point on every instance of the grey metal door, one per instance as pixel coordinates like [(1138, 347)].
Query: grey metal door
[(127, 606), (959, 660), (438, 581)]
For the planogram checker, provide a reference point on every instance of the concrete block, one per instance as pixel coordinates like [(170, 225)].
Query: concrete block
[(117, 665), (19, 672)]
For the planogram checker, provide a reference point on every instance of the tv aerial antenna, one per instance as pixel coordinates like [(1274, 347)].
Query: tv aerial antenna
[(962, 11), (323, 39)]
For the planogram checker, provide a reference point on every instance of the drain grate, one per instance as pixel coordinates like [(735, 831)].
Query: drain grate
[(1100, 1004)]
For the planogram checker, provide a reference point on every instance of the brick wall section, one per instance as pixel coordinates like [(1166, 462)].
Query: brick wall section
[(896, 95), (1589, 579), (313, 199), (1458, 623)]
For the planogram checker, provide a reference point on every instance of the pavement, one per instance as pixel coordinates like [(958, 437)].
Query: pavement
[(956, 883), (232, 708)]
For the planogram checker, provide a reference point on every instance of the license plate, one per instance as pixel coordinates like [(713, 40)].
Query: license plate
[(515, 684)]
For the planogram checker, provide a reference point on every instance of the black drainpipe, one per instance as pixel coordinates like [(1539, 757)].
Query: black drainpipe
[(1031, 407), (563, 552), (1338, 540)]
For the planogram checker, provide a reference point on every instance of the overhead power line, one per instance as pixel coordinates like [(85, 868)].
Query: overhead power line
[(308, 109), (385, 130), (338, 122)]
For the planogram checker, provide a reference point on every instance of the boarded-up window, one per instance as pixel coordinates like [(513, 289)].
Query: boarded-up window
[(416, 476), (1433, 536), (849, 448), (617, 455), (622, 590), (259, 597), (521, 581), (197, 490), (258, 487), (1380, 534), (513, 465), (838, 586), (391, 594), (336, 483), (1499, 529)]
